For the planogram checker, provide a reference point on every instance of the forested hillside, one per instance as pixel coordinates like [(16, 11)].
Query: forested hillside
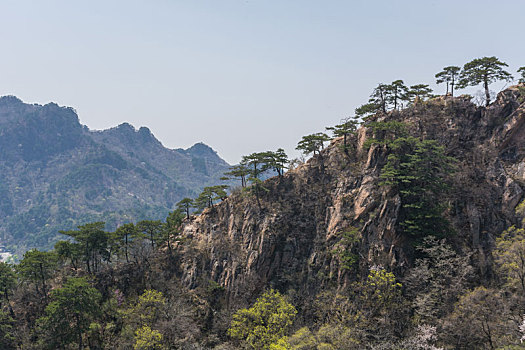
[(404, 233), (405, 230), (56, 174)]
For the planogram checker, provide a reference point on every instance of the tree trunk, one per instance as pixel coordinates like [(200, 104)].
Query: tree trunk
[(487, 93), (169, 245), (126, 249), (44, 288), (11, 312)]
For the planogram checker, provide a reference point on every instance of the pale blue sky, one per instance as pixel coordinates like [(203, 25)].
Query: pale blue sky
[(241, 76)]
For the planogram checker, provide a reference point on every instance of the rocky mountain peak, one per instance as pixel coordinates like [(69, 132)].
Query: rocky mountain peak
[(201, 150), (289, 239), (9, 100)]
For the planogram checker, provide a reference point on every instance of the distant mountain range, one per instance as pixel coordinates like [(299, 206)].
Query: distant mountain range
[(56, 174)]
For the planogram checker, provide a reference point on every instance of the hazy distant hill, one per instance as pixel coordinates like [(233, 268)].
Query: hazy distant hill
[(55, 173)]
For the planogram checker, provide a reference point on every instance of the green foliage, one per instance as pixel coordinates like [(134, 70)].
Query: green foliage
[(367, 110), (7, 282), (313, 143), (147, 339), (396, 93), (379, 98), (149, 306), (173, 221), (151, 229), (418, 92), (418, 171), (385, 133), (384, 97), (509, 256), (69, 314), (209, 195), (38, 267), (7, 338), (240, 171), (268, 320), (93, 243), (7, 279), (257, 163), (381, 288), (185, 205), (277, 161), (378, 308), (485, 70), (476, 322), (346, 249), (141, 317), (448, 75), (347, 127), (172, 227), (521, 71), (123, 236), (68, 251), (303, 339)]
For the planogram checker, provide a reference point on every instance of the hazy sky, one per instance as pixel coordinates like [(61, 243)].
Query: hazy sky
[(241, 76)]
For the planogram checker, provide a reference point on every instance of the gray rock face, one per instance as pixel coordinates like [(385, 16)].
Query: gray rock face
[(290, 241)]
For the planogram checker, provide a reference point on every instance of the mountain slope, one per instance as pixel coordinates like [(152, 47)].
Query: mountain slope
[(293, 240), (56, 174)]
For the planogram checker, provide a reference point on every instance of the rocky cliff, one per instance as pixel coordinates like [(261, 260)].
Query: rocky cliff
[(290, 241)]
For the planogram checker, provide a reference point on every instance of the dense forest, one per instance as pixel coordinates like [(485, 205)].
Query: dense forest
[(406, 231)]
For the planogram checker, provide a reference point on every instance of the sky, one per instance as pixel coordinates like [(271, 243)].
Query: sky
[(242, 76)]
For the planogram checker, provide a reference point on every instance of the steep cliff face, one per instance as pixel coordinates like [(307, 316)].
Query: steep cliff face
[(291, 240)]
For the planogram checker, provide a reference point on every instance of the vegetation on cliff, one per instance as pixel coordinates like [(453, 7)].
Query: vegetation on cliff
[(404, 233)]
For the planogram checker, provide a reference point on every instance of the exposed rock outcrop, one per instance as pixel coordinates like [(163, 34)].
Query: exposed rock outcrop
[(289, 241)]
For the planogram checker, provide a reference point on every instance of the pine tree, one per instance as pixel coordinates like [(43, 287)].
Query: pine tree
[(123, 236), (449, 76), (367, 110), (396, 92), (521, 71), (240, 171), (70, 313), (485, 70), (94, 243), (277, 161), (419, 92), (7, 282), (347, 127), (38, 267), (185, 205), (151, 228), (379, 97), (312, 143)]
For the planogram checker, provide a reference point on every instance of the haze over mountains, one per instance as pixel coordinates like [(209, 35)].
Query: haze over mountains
[(56, 174)]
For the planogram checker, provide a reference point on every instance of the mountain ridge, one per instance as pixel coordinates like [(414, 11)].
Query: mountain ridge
[(289, 239), (57, 173)]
